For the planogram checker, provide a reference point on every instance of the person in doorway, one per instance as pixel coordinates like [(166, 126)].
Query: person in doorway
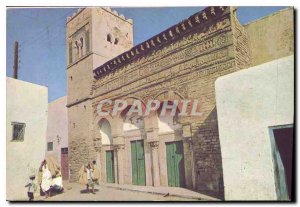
[(31, 188)]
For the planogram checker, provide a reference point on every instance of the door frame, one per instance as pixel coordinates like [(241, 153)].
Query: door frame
[(183, 166), (188, 158), (144, 151), (61, 163), (113, 165), (274, 152)]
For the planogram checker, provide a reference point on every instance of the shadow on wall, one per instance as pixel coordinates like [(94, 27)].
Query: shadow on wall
[(208, 160)]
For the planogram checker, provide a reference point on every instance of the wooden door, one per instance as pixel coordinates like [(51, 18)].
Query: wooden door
[(138, 162), (64, 163), (110, 171), (175, 164)]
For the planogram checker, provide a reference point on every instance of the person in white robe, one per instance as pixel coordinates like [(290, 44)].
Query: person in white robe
[(46, 179)]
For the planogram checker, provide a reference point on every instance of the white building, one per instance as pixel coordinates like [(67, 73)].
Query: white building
[(57, 134), (256, 118), (26, 124)]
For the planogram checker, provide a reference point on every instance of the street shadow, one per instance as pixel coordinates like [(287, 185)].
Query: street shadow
[(85, 191)]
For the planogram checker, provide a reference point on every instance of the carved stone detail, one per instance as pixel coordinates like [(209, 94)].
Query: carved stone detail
[(119, 147), (158, 53), (154, 144)]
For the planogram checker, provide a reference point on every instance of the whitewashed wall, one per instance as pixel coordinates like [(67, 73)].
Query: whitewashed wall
[(248, 103), (26, 103), (57, 126)]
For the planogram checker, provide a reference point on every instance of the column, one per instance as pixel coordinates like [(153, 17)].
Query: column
[(120, 162), (97, 145), (188, 160), (155, 164)]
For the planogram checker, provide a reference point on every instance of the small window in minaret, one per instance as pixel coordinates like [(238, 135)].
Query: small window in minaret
[(108, 38), (76, 49), (81, 46), (116, 41)]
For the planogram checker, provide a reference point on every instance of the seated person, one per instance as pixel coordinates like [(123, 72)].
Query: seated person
[(57, 184)]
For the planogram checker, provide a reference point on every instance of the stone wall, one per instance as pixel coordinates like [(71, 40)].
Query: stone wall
[(271, 37), (241, 42), (182, 62), (188, 64), (87, 48), (81, 145)]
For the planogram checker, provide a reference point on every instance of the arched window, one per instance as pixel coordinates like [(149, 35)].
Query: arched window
[(76, 45), (76, 49), (105, 131), (81, 46), (109, 38)]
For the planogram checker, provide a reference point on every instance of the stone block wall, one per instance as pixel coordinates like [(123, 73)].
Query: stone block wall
[(241, 42), (87, 48), (186, 64), (271, 37)]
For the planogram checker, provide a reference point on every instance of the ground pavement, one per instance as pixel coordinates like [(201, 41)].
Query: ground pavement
[(113, 192)]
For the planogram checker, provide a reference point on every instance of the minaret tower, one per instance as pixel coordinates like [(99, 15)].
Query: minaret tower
[(93, 36)]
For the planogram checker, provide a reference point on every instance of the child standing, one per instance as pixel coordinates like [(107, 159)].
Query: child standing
[(31, 188)]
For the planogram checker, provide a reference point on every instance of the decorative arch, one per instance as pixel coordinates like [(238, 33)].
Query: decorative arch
[(105, 131), (169, 95), (135, 121), (130, 100), (168, 123)]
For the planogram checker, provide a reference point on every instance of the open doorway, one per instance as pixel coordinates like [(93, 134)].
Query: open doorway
[(282, 147)]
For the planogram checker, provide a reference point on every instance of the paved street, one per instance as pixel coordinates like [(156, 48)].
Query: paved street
[(75, 192)]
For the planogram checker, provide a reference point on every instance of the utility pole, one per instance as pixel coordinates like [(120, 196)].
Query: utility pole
[(16, 59)]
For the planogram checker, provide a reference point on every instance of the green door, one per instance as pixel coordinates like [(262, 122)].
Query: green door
[(138, 162), (110, 170), (175, 164)]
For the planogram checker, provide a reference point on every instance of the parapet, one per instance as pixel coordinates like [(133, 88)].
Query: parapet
[(69, 18), (197, 20), (108, 9), (114, 12)]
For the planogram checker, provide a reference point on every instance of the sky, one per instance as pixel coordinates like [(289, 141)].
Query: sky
[(41, 36)]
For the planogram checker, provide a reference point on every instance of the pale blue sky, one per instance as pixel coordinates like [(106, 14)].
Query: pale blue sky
[(41, 35)]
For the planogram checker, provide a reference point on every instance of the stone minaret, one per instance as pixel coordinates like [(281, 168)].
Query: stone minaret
[(93, 36)]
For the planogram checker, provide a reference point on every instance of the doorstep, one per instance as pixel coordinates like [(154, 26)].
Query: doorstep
[(170, 191)]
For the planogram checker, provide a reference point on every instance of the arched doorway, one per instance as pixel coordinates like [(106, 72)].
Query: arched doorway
[(168, 127), (105, 131), (106, 139), (133, 125)]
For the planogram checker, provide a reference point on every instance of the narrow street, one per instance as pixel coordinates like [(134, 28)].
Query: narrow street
[(76, 192)]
